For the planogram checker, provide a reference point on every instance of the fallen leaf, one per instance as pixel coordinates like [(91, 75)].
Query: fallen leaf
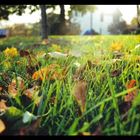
[(3, 106), (131, 95), (130, 84), (79, 92), (24, 53), (45, 42), (15, 85), (97, 131), (2, 126), (85, 134), (32, 93), (48, 72), (79, 73), (116, 46), (57, 55), (115, 73), (28, 117), (31, 129), (1, 88)]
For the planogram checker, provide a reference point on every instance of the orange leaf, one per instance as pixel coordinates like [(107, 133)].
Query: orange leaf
[(29, 92), (2, 126), (80, 90), (131, 95), (131, 84), (49, 70)]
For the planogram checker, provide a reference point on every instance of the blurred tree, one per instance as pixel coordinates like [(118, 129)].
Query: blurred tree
[(118, 25), (83, 9), (138, 16), (117, 28), (6, 10), (134, 21), (19, 29)]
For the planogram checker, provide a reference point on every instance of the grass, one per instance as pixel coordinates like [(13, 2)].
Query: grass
[(57, 112)]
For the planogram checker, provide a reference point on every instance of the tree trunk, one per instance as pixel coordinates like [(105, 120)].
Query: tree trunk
[(62, 19), (62, 14), (44, 30), (138, 16)]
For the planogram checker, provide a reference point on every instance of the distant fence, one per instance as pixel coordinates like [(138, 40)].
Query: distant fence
[(3, 33)]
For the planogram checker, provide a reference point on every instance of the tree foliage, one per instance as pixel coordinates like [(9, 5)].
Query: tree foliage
[(83, 9)]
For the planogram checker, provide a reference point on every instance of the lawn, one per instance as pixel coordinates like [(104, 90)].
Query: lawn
[(74, 85)]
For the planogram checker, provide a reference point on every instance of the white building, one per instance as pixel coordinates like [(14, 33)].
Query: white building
[(97, 20)]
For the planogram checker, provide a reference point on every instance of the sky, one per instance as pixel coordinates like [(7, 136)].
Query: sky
[(128, 12)]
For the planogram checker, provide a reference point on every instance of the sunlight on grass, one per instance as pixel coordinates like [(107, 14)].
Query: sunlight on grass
[(89, 86)]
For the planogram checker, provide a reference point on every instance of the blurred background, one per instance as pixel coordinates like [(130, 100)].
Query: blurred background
[(44, 20)]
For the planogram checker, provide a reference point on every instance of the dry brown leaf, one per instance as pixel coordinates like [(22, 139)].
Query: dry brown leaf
[(32, 93), (2, 126), (1, 88), (115, 73), (13, 86), (80, 91), (31, 129), (97, 131), (24, 53)]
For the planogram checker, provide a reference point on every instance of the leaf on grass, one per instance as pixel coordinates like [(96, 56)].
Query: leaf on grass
[(24, 53), (13, 113), (116, 46), (1, 88), (32, 93), (131, 95), (15, 85), (31, 129), (3, 106), (79, 73), (85, 134), (30, 69), (2, 126), (50, 71), (28, 117), (45, 42), (40, 54), (79, 92), (97, 131), (115, 73)]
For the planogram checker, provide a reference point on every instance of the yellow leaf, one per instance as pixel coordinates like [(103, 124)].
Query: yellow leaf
[(3, 106), (116, 46), (45, 42), (85, 134), (11, 52), (2, 126), (47, 71)]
